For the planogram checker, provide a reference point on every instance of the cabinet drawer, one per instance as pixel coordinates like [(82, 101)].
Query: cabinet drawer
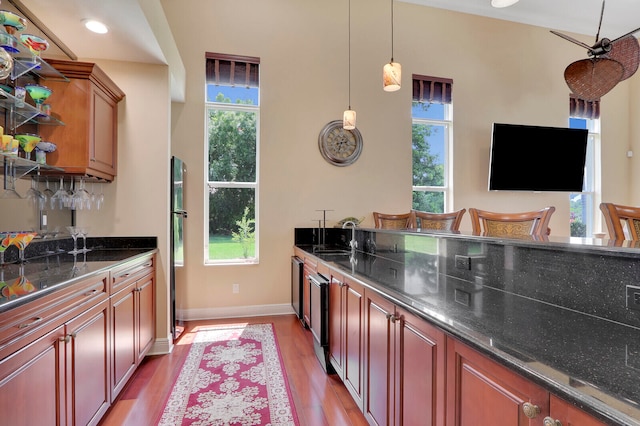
[(23, 324), (126, 274)]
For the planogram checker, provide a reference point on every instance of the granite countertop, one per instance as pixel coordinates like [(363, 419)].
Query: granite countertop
[(22, 283), (591, 362)]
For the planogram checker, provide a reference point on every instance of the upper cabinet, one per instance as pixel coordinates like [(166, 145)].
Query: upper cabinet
[(88, 105)]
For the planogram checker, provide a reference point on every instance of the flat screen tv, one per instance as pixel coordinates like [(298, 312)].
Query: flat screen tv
[(537, 158)]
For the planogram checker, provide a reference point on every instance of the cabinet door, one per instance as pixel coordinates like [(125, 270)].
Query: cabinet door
[(353, 333), (420, 374), (123, 347), (103, 137), (378, 359), (337, 296), (306, 293), (32, 383), (570, 415), (145, 309), (87, 357), (480, 392)]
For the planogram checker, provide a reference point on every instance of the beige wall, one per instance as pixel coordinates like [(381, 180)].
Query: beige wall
[(502, 72)]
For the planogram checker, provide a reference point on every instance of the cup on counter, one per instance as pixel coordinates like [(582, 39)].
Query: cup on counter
[(41, 156), (20, 93), (6, 143)]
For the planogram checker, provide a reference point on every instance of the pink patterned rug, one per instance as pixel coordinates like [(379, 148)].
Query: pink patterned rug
[(233, 375)]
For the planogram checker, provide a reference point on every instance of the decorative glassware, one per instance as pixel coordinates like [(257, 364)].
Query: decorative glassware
[(38, 93), (6, 60), (84, 231), (35, 44), (35, 196), (81, 198), (74, 231), (5, 243), (12, 22), (59, 198), (21, 241), (28, 142)]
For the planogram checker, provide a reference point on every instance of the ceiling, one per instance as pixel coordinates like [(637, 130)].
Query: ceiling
[(138, 28), (136, 25)]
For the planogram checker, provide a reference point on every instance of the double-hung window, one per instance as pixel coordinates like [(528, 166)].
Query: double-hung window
[(583, 205), (231, 159), (431, 138)]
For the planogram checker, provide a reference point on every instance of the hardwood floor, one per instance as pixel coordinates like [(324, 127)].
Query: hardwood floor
[(320, 399)]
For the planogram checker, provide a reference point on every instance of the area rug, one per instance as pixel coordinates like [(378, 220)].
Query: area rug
[(233, 375)]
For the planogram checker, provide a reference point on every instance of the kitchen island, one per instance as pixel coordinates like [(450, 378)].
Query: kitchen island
[(552, 315), (73, 328)]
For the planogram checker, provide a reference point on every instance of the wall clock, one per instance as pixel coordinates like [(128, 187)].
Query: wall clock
[(338, 146)]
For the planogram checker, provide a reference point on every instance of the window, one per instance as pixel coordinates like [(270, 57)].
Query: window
[(584, 211), (431, 138), (231, 146)]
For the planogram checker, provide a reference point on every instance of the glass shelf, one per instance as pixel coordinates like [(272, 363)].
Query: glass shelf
[(36, 66), (24, 167), (26, 112)]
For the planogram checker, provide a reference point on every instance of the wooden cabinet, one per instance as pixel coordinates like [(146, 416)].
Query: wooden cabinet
[(132, 319), (310, 267), (564, 414), (482, 392), (64, 356), (87, 366), (88, 106), (346, 314)]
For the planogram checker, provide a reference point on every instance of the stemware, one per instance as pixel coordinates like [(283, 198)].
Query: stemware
[(59, 198), (35, 196), (74, 231), (84, 231), (5, 243), (48, 193), (38, 93), (35, 44), (21, 241), (10, 183), (81, 198)]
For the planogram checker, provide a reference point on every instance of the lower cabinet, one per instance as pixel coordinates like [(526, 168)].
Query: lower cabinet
[(403, 366), (346, 315), (402, 370), (308, 269)]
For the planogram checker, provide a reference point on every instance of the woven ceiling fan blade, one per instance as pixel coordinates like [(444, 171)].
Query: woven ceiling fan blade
[(626, 51), (590, 79), (572, 40)]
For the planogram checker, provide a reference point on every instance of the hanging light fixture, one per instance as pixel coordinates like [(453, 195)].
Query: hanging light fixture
[(391, 72), (349, 117), (503, 3)]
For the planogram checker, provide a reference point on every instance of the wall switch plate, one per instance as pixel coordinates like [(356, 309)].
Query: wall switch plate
[(236, 288), (633, 297), (463, 262)]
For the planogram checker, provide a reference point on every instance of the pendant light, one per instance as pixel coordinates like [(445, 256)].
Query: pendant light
[(349, 117), (391, 72)]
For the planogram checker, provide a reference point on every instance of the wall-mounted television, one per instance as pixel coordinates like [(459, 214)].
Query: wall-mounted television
[(537, 158)]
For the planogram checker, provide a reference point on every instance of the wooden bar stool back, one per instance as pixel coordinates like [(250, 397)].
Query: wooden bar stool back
[(394, 221), (618, 217), (511, 225), (439, 221)]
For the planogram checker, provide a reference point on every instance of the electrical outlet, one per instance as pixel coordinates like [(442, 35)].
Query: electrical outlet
[(463, 262), (236, 288), (633, 297)]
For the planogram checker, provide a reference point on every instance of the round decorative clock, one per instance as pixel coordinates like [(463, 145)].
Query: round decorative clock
[(338, 146)]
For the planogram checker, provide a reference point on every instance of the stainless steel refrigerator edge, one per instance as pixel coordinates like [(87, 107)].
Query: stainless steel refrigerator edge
[(176, 234)]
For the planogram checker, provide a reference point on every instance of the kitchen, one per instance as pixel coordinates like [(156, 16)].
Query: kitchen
[(519, 79)]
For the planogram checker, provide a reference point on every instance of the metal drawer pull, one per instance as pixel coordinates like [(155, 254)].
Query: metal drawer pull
[(66, 338), (530, 410), (391, 317), (29, 324), (91, 293), (548, 421)]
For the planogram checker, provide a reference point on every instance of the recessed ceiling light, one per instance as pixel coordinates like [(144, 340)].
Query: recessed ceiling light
[(96, 26), (503, 3)]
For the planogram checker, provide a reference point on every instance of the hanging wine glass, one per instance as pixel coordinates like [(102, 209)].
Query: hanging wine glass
[(10, 183), (59, 198), (35, 196), (48, 193), (81, 197)]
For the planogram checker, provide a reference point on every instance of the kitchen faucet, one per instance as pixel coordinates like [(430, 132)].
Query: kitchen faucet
[(353, 243)]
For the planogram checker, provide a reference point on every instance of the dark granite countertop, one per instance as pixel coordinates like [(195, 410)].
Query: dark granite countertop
[(22, 283), (589, 361)]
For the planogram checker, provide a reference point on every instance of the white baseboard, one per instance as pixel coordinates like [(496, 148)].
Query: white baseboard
[(233, 312), (161, 346)]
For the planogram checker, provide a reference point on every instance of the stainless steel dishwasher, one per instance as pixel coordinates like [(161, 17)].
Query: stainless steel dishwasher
[(297, 266), (320, 319)]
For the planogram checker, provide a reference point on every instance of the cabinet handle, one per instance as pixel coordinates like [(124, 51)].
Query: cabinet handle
[(548, 421), (29, 324), (530, 410), (66, 338), (74, 335), (91, 293), (391, 317)]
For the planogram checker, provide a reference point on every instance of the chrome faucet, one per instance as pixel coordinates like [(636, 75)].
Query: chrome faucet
[(353, 243)]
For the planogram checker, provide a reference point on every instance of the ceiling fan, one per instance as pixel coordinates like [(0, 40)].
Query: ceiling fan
[(609, 62)]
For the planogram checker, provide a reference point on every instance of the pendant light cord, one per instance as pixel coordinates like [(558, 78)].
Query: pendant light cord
[(349, 54), (391, 30)]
